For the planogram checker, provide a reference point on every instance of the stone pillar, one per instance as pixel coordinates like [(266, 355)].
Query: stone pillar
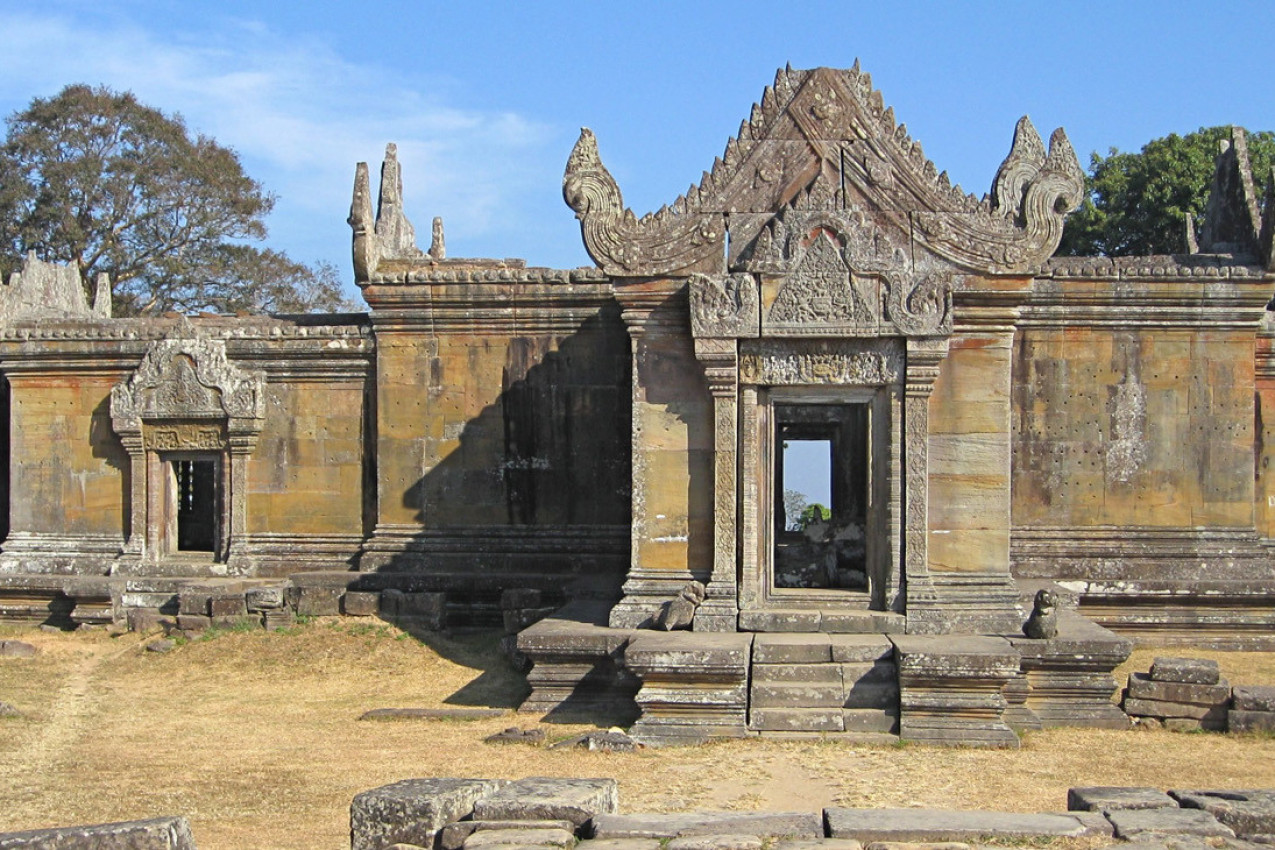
[(672, 453), (720, 611), (924, 357)]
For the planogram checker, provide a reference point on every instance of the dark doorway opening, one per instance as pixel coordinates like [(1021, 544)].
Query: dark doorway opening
[(822, 470), (197, 510)]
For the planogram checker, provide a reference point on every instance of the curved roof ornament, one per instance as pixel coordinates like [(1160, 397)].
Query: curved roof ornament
[(823, 139)]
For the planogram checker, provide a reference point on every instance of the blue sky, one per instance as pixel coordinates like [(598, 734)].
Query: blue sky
[(485, 99)]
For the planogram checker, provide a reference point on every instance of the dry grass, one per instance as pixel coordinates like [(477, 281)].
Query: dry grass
[(255, 738)]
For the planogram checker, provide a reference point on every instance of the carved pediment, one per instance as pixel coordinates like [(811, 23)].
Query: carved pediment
[(823, 140), (188, 379)]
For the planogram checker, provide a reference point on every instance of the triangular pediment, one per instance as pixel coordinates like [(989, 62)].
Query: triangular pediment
[(823, 140)]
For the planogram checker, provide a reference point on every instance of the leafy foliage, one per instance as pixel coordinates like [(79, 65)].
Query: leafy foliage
[(95, 178), (1138, 202)]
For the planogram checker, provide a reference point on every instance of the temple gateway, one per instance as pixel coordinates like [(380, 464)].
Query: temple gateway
[(797, 454)]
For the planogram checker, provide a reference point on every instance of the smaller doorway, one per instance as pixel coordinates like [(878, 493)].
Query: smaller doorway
[(197, 511)]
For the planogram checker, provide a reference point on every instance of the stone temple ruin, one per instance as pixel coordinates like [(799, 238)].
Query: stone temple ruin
[(572, 451)]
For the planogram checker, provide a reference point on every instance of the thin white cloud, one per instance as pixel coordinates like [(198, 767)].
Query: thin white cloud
[(299, 114)]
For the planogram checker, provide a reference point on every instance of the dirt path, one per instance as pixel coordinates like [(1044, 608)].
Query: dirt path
[(54, 736)]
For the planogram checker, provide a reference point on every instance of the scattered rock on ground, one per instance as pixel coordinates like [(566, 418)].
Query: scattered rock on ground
[(514, 735), (7, 710), (16, 649), (161, 645)]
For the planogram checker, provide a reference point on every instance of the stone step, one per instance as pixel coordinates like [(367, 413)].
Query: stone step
[(942, 825)]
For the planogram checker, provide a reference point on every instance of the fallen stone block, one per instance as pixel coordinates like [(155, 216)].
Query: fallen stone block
[(432, 713), (142, 620), (514, 735), (543, 798), (453, 835), (1248, 812), (1198, 671), (161, 645), (804, 825), (716, 842), (818, 844), (1099, 798), (16, 649), (7, 710), (609, 741), (1133, 823), (941, 825), (521, 836), (1162, 708), (1142, 686), (1250, 721), (168, 833), (193, 622), (626, 844), (412, 811), (263, 598), (278, 618), (1253, 698)]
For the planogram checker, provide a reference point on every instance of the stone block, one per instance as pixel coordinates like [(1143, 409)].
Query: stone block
[(543, 798), (719, 841), (521, 837), (17, 649), (815, 674), (941, 825), (1246, 812), (951, 689), (1196, 671), (883, 721), (1250, 721), (799, 825), (166, 833), (624, 844), (520, 597), (779, 621), (361, 603), (193, 622), (192, 601), (818, 844), (1141, 823), (792, 649), (278, 618), (795, 695), (1253, 698), (1099, 798), (422, 610), (517, 619), (1165, 709), (226, 605), (263, 597), (1142, 686), (860, 649), (795, 719), (412, 811), (319, 600), (871, 694), (453, 835), (237, 621)]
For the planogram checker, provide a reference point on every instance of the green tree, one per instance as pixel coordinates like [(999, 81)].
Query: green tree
[(93, 177), (1138, 202)]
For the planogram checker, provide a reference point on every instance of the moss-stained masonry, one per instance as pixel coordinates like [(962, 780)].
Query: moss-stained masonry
[(609, 433)]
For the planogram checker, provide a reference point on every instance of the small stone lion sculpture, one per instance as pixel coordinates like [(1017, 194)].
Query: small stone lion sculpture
[(679, 612), (1043, 622)]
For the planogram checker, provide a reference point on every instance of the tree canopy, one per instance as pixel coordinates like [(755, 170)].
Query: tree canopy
[(1137, 203), (94, 178)]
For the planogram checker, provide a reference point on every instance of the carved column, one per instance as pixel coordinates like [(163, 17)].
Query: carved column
[(720, 357), (924, 356), (135, 546), (241, 445)]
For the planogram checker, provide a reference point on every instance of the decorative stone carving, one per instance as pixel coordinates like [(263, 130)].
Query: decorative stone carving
[(51, 291), (796, 363), (183, 436), (823, 140), (1043, 622), (821, 291), (187, 379), (724, 306)]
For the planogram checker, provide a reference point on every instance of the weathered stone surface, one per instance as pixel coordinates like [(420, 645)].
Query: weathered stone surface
[(318, 600), (1098, 798), (918, 845), (859, 649), (717, 841), (1250, 721), (1199, 671), (792, 648), (412, 810), (16, 649), (432, 713), (951, 689), (804, 825), (514, 735), (624, 844), (1165, 709), (542, 798), (694, 685), (263, 597), (1133, 823), (7, 710), (361, 603), (1247, 812), (940, 825), (1142, 686), (193, 622), (613, 741), (453, 835), (528, 837), (819, 844), (1253, 698), (168, 833), (161, 645)]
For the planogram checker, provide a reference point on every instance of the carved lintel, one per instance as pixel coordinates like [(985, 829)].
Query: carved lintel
[(867, 362), (183, 436)]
